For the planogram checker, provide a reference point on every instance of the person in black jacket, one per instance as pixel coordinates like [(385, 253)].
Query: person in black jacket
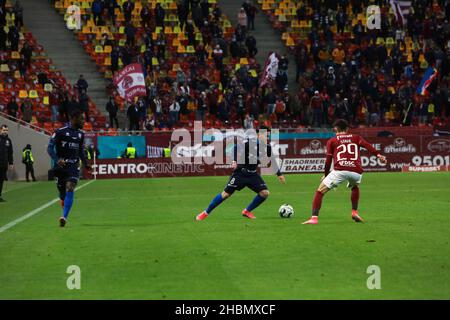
[(6, 156), (112, 109)]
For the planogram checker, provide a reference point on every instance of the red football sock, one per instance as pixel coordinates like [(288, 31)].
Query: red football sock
[(317, 203), (355, 198)]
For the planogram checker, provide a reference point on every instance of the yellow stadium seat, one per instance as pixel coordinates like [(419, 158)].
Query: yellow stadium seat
[(15, 55), (48, 87), (290, 42), (390, 41), (177, 30), (33, 94), (4, 68), (98, 49), (190, 49), (380, 40), (107, 49), (23, 94), (46, 100), (226, 23), (409, 57), (181, 49), (282, 18), (155, 61), (175, 42), (107, 62), (243, 61)]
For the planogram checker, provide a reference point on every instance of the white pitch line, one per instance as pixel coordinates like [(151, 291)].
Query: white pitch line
[(37, 210)]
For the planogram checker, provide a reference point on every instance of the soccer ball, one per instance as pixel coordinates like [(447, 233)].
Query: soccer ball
[(286, 211)]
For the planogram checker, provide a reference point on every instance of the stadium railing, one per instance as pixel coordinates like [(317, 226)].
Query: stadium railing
[(24, 123)]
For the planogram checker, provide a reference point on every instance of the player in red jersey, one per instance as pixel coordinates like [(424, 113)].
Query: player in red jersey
[(343, 150)]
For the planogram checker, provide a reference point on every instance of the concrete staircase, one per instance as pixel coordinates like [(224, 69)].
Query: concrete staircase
[(267, 38), (62, 46)]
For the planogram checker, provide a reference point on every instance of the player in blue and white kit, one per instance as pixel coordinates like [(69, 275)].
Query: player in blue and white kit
[(245, 174), (66, 148)]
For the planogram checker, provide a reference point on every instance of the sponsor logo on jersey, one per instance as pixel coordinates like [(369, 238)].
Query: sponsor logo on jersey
[(347, 163)]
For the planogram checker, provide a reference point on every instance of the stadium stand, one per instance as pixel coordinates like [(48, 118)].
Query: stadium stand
[(190, 53), (30, 84), (376, 70)]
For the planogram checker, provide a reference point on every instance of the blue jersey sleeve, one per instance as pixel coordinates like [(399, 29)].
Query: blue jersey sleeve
[(51, 149), (82, 154)]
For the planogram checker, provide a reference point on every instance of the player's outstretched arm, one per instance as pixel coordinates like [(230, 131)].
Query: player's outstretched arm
[(51, 148), (82, 156), (363, 143)]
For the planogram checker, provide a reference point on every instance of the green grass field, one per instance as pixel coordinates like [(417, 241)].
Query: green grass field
[(137, 239)]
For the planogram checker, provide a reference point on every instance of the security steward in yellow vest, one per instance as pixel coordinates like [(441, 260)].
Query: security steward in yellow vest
[(28, 160), (166, 152), (130, 151)]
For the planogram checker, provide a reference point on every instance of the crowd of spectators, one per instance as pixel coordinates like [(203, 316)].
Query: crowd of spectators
[(343, 69), (217, 83), (369, 76), (23, 71)]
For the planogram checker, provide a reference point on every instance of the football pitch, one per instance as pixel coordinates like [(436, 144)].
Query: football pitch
[(137, 239)]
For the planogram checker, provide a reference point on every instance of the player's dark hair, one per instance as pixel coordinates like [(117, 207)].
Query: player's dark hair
[(75, 113), (263, 127), (4, 126), (341, 124)]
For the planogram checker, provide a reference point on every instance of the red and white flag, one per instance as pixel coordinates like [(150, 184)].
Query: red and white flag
[(130, 82), (270, 69), (401, 10)]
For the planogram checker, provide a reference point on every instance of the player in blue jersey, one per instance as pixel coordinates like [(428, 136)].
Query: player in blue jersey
[(66, 148), (245, 174)]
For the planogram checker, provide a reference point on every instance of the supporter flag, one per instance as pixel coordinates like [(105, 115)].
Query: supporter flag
[(130, 82), (401, 10), (427, 79), (270, 69)]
